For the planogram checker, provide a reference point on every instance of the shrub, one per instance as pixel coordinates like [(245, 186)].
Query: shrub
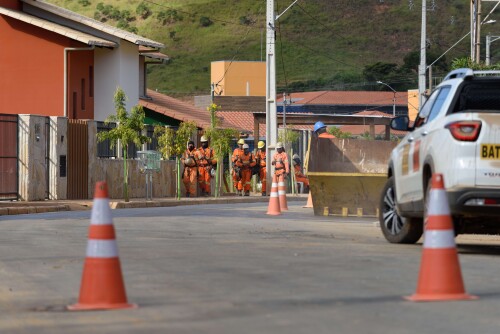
[(205, 21)]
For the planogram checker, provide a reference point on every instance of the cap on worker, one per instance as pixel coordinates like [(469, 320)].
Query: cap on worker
[(319, 125), (203, 139), (241, 141), (245, 146), (261, 144), (279, 145)]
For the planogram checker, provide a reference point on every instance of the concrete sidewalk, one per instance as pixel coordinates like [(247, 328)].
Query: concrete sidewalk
[(21, 207)]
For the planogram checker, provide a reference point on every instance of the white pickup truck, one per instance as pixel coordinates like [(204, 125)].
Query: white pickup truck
[(456, 133)]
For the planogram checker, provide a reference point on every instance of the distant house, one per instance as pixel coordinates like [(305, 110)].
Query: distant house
[(345, 102), (377, 131), (55, 62), (166, 110)]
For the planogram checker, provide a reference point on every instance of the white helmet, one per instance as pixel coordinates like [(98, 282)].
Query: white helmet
[(245, 146), (203, 139), (279, 145)]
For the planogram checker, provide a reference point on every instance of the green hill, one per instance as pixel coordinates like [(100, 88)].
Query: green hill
[(320, 44)]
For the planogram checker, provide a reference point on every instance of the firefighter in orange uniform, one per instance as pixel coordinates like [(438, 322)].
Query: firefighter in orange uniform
[(260, 157), (190, 173), (299, 177), (237, 170), (204, 156), (280, 163), (245, 162)]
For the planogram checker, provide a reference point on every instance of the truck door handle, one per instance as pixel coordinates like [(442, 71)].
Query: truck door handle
[(425, 133), (410, 139)]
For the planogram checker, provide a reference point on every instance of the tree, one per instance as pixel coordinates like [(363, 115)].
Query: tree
[(335, 131), (128, 130), (466, 62), (221, 140), (173, 143), (288, 137), (412, 61), (379, 71)]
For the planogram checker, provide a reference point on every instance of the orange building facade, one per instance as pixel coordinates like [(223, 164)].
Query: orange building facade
[(239, 78), (33, 70)]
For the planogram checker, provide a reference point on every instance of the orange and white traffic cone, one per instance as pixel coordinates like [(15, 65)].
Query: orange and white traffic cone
[(309, 201), (440, 276), (102, 286), (282, 193), (274, 203)]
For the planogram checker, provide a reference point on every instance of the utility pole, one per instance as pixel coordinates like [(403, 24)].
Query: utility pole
[(422, 66), (271, 113), (489, 39), (284, 109), (475, 30)]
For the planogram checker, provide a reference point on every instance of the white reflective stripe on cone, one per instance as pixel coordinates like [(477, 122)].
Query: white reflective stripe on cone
[(102, 248), (274, 194), (438, 203), (282, 192), (101, 212), (281, 184), (274, 185), (439, 239)]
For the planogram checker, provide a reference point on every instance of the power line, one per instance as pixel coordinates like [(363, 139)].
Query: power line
[(282, 59), (237, 51)]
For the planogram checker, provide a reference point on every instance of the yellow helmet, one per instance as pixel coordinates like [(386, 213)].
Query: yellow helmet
[(241, 141), (261, 144)]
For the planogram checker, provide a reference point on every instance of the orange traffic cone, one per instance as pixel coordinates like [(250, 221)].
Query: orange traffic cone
[(309, 201), (440, 276), (102, 286), (282, 193), (274, 203)]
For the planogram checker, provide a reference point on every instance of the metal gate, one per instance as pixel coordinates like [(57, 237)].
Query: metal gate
[(9, 156), (78, 159)]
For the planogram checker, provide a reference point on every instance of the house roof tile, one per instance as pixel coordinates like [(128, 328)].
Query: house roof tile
[(126, 35), (244, 120), (58, 29), (179, 110)]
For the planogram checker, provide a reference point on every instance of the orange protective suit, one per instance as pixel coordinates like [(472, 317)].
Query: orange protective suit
[(204, 157), (236, 173), (281, 165), (260, 157), (299, 177), (190, 174), (245, 162)]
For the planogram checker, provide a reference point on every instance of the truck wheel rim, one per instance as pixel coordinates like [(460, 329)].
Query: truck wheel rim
[(392, 221)]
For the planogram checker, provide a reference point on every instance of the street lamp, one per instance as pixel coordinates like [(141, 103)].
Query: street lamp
[(393, 98)]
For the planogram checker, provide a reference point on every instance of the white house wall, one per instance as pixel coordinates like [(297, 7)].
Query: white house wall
[(115, 68)]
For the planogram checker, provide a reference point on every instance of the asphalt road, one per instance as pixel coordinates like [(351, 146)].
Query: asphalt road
[(234, 269)]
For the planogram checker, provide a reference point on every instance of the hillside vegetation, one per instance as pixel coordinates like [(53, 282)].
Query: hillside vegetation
[(320, 44)]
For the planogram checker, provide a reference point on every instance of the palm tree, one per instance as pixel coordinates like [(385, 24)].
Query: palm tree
[(128, 130)]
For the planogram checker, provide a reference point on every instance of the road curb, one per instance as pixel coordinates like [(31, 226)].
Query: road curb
[(20, 208)]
